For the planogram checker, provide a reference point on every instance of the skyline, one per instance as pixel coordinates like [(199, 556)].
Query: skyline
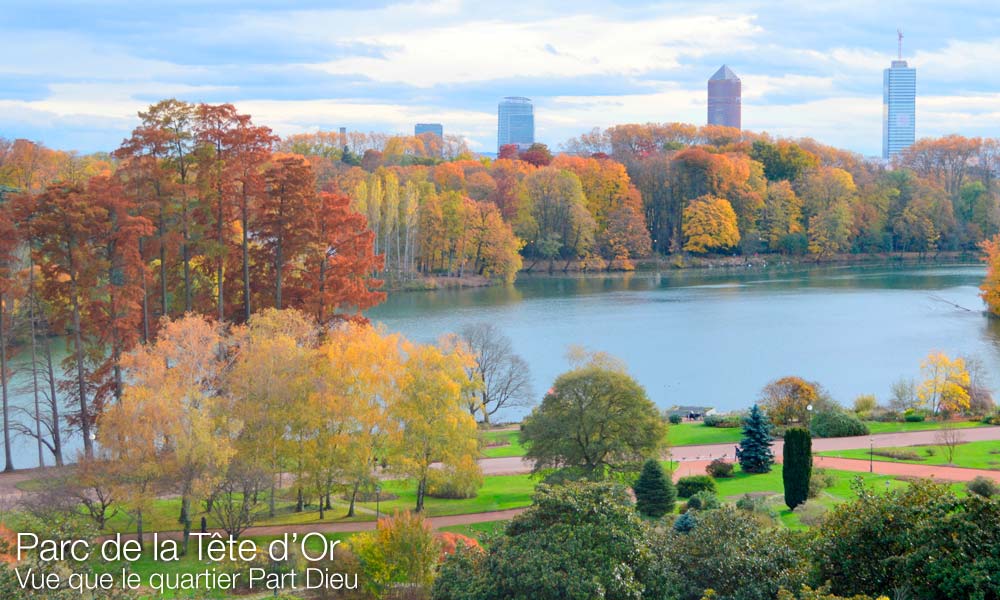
[(74, 77)]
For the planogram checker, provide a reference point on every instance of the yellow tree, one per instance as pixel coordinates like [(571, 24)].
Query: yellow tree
[(709, 223), (359, 369), (946, 383), (990, 288), (180, 377), (431, 412), (269, 386)]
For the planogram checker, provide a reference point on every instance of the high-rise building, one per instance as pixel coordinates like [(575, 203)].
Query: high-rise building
[(724, 98), (434, 128), (515, 122), (899, 105)]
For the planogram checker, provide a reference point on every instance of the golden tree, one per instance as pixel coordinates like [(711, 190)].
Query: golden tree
[(990, 288), (946, 383), (709, 224)]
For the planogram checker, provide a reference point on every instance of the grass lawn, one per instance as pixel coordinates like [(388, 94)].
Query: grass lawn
[(893, 427), (972, 455), (697, 434), (501, 444)]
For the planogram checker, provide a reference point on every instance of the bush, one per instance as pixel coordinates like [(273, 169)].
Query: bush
[(723, 420), (692, 484), (675, 419), (819, 481), (719, 468), (983, 486), (835, 423), (455, 482), (402, 549), (865, 404), (703, 500), (797, 468), (914, 416), (685, 523)]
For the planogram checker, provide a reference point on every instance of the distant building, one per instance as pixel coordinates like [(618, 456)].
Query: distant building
[(899, 106), (724, 98), (515, 122), (435, 128)]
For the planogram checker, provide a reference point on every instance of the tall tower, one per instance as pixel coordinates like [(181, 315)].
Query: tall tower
[(899, 105), (515, 122), (724, 98)]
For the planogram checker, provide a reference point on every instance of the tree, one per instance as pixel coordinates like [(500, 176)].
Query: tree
[(236, 502), (945, 385), (830, 229), (8, 291), (788, 400), (401, 551), (595, 419), (904, 395), (990, 288), (710, 224), (431, 411), (580, 540), (754, 451), (949, 438), (557, 222), (796, 465), (654, 491), (504, 377)]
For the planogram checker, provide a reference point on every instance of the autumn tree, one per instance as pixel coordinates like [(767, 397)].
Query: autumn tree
[(945, 385), (431, 410), (558, 223), (8, 292), (790, 400), (710, 224), (504, 378), (990, 288)]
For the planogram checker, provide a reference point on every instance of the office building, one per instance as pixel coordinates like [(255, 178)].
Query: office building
[(724, 98), (899, 105), (515, 122)]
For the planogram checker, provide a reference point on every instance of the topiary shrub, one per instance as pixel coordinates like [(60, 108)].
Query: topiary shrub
[(692, 484), (983, 486), (655, 494), (797, 466), (675, 419), (835, 423), (719, 468)]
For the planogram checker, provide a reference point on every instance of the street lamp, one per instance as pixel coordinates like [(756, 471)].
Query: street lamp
[(378, 495), (871, 455)]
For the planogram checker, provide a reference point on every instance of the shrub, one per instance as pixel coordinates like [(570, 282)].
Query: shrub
[(703, 500), (865, 404), (983, 486), (692, 484), (719, 468), (797, 466), (685, 523), (819, 481), (402, 550), (914, 416), (455, 482), (835, 423), (723, 420), (655, 494), (675, 419)]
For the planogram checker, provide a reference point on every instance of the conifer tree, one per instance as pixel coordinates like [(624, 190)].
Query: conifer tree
[(797, 466), (754, 451), (655, 493)]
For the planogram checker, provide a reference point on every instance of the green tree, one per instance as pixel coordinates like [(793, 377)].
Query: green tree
[(754, 452), (797, 466), (655, 494), (578, 541), (596, 419)]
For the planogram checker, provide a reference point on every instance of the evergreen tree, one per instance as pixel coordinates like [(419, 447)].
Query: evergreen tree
[(754, 451), (655, 493), (797, 466)]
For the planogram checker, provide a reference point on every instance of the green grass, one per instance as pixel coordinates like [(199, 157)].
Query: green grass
[(971, 455), (698, 434), (501, 444), (876, 427)]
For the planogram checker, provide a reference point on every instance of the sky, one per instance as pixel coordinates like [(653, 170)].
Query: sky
[(73, 75)]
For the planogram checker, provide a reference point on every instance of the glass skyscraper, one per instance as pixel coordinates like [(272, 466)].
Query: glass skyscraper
[(515, 122), (899, 101), (725, 98)]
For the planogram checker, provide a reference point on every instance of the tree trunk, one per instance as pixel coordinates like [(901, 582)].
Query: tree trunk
[(163, 263), (354, 497), (34, 361), (54, 405), (138, 527), (8, 460), (88, 444), (300, 502), (245, 221), (421, 489)]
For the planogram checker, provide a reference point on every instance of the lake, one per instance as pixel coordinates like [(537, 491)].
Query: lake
[(716, 337)]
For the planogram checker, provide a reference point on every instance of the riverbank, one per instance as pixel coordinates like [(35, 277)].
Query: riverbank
[(686, 262)]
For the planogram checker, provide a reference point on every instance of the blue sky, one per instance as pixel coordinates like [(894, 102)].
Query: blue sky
[(74, 74)]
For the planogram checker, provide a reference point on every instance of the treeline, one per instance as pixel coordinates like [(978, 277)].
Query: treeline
[(196, 212)]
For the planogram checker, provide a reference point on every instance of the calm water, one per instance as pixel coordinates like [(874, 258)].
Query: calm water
[(715, 338)]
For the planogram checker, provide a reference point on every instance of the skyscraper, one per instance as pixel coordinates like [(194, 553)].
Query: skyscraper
[(899, 105), (515, 122), (724, 98), (434, 128)]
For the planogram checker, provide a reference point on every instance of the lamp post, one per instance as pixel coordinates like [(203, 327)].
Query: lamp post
[(871, 455), (378, 496)]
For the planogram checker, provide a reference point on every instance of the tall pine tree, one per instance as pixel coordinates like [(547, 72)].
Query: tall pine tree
[(796, 466), (754, 451), (655, 493)]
